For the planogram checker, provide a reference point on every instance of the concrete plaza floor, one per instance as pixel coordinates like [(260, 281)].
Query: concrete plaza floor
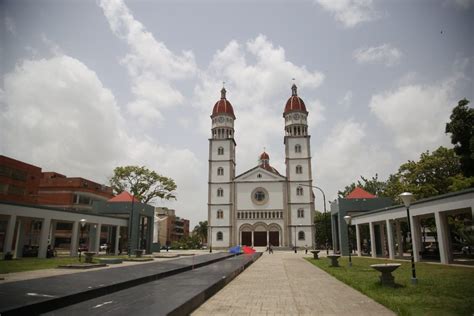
[(283, 283)]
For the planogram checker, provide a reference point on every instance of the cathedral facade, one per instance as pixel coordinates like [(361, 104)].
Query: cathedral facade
[(260, 206)]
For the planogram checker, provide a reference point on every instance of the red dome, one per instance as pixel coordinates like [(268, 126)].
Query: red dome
[(295, 103), (264, 156), (223, 106)]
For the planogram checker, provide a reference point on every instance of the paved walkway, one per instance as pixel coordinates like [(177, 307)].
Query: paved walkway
[(285, 284)]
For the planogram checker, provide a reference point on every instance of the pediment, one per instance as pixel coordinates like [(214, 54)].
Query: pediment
[(258, 174)]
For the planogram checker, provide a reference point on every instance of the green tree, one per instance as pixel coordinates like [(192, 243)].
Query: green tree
[(461, 128), (143, 183), (322, 225), (200, 230), (431, 175)]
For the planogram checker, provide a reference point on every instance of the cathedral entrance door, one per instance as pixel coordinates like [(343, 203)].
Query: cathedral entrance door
[(246, 239), (275, 239), (260, 239)]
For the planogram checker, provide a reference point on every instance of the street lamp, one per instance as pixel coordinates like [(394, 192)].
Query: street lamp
[(407, 198), (83, 224), (210, 240), (325, 221), (295, 240), (348, 220)]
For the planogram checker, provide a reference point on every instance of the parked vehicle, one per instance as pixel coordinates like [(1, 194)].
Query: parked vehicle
[(104, 247), (430, 252)]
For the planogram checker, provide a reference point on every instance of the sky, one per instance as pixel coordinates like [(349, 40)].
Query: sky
[(91, 85)]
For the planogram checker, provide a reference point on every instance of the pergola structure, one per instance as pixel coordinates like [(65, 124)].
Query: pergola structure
[(389, 219)]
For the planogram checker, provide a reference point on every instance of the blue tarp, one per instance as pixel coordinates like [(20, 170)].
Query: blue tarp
[(235, 249)]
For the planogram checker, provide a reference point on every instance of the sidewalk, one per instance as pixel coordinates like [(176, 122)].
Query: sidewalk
[(285, 284)]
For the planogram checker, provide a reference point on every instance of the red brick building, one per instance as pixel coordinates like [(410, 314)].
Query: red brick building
[(19, 181), (23, 183)]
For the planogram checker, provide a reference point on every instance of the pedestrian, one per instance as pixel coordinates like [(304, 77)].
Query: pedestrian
[(306, 249), (270, 249)]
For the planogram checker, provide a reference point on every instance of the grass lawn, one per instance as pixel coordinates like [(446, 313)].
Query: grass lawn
[(441, 289), (27, 264)]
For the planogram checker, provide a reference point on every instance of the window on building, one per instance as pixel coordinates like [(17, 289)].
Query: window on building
[(299, 169), (259, 196), (300, 213), (297, 148), (259, 175), (301, 235), (220, 171), (220, 214), (220, 192), (220, 236), (299, 191), (220, 150)]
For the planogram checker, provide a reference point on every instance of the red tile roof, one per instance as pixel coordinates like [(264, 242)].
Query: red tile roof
[(124, 197), (295, 103), (359, 193)]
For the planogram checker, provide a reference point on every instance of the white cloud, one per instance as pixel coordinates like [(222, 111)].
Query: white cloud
[(346, 100), (461, 4), (10, 25), (258, 80), (350, 12), (56, 114), (344, 156), (152, 67), (416, 115), (385, 53)]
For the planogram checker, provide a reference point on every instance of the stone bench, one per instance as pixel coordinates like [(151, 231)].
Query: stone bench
[(334, 260), (386, 269), (315, 254)]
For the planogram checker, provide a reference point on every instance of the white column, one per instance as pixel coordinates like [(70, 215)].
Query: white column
[(359, 252), (391, 244), (442, 231), (268, 238), (372, 240), (44, 234), (97, 238), (18, 238), (399, 238), (7, 246), (53, 233), (252, 237), (416, 237), (74, 238), (117, 239)]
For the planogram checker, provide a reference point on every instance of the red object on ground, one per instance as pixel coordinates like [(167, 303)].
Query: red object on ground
[(246, 249)]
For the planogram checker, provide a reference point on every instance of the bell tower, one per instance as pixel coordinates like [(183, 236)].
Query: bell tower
[(298, 171), (221, 174)]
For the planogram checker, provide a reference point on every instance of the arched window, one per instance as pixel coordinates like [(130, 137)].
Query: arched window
[(300, 213), (220, 171), (220, 150), (301, 235), (220, 214), (299, 191), (297, 148), (220, 236), (220, 192), (299, 169)]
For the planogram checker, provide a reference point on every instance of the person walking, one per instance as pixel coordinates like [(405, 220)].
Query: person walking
[(270, 249), (306, 249)]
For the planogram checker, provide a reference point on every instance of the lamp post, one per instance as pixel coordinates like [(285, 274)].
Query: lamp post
[(83, 224), (407, 198), (348, 220), (325, 221), (210, 238), (295, 240)]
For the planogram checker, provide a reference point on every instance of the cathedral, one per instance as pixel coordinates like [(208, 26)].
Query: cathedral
[(260, 207)]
